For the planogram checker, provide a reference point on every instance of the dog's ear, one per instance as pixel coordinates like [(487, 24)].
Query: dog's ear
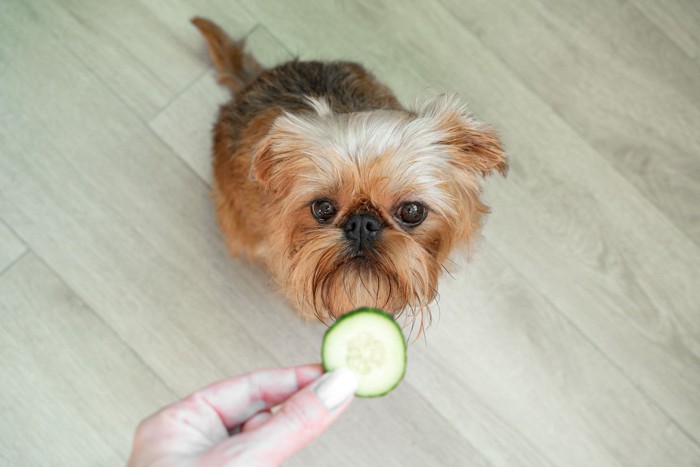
[(272, 165), (263, 161), (264, 135), (476, 146)]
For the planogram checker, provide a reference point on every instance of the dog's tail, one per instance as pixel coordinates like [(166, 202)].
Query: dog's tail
[(235, 68)]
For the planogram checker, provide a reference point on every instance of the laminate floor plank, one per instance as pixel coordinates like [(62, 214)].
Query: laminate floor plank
[(136, 47), (500, 343), (571, 338), (72, 391), (680, 20), (617, 79)]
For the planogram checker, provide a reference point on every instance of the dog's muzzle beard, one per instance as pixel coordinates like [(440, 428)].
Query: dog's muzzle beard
[(358, 278), (359, 270)]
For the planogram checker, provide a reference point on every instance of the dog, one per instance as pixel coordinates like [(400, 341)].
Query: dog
[(347, 197)]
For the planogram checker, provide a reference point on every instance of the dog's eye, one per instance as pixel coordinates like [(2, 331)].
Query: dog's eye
[(411, 214), (323, 210)]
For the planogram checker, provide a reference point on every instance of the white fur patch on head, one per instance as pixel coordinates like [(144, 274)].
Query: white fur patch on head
[(361, 136), (406, 147), (320, 105)]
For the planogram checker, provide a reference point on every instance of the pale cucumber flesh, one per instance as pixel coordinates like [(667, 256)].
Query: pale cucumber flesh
[(371, 344)]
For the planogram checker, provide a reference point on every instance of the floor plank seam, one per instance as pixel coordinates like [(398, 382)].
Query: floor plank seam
[(14, 262), (267, 30), (20, 240), (173, 152), (207, 69)]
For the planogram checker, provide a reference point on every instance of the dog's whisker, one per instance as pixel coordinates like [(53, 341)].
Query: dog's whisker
[(447, 271)]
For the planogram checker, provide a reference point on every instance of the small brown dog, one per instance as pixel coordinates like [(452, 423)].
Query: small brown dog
[(348, 198)]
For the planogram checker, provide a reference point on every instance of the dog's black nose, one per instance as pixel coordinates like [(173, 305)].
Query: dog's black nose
[(362, 229)]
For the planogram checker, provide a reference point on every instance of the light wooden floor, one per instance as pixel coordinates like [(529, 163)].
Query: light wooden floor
[(571, 339)]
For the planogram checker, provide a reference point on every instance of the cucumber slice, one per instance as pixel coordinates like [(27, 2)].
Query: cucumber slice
[(369, 343)]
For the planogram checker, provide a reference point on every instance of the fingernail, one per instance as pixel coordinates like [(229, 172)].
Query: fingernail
[(336, 387)]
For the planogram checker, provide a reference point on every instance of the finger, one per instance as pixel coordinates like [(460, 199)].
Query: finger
[(261, 390), (225, 405), (305, 416), (256, 421)]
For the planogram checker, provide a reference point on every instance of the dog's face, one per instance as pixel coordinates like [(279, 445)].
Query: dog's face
[(367, 206)]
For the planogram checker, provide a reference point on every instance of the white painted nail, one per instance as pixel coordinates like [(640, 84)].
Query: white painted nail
[(336, 387)]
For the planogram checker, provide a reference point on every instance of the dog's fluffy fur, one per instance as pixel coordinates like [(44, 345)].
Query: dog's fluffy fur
[(307, 131)]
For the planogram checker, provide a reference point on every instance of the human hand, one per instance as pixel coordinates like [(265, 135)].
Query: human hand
[(230, 422)]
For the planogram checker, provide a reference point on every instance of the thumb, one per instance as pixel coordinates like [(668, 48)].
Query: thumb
[(305, 415)]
